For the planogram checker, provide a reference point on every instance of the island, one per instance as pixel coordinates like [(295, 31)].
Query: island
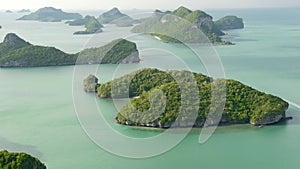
[(114, 16), (91, 84), (24, 11), (50, 14), (230, 22), (182, 25), (16, 52), (91, 24), (244, 105), (9, 11), (10, 160)]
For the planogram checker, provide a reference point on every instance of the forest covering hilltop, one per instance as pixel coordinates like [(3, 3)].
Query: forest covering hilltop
[(16, 52), (50, 14), (19, 161), (182, 25), (243, 104)]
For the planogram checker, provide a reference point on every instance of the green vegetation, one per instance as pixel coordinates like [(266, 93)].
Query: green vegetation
[(15, 52), (19, 161), (114, 16), (243, 103), (230, 22), (91, 24), (50, 14), (184, 25)]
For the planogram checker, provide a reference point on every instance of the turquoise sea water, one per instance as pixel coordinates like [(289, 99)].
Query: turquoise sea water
[(37, 114)]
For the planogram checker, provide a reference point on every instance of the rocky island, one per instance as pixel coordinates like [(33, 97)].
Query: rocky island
[(91, 24), (244, 105), (230, 22), (50, 14), (91, 84), (182, 25), (114, 16), (16, 52), (19, 161)]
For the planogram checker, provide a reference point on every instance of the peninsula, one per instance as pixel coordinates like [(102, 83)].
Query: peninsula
[(183, 25), (244, 105), (16, 52), (50, 14)]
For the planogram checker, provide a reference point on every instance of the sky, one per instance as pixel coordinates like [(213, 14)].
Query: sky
[(146, 4)]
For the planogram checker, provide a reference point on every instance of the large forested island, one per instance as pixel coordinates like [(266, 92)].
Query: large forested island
[(243, 105), (50, 14), (19, 161), (16, 52), (182, 25)]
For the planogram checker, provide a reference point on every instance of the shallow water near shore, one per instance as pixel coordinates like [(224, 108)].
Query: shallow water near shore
[(37, 114)]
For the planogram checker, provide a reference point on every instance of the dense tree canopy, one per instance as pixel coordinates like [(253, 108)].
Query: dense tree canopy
[(19, 161)]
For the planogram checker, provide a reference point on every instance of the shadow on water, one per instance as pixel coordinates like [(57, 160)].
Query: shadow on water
[(16, 147)]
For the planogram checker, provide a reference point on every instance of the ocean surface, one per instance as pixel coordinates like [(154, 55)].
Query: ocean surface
[(38, 105)]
